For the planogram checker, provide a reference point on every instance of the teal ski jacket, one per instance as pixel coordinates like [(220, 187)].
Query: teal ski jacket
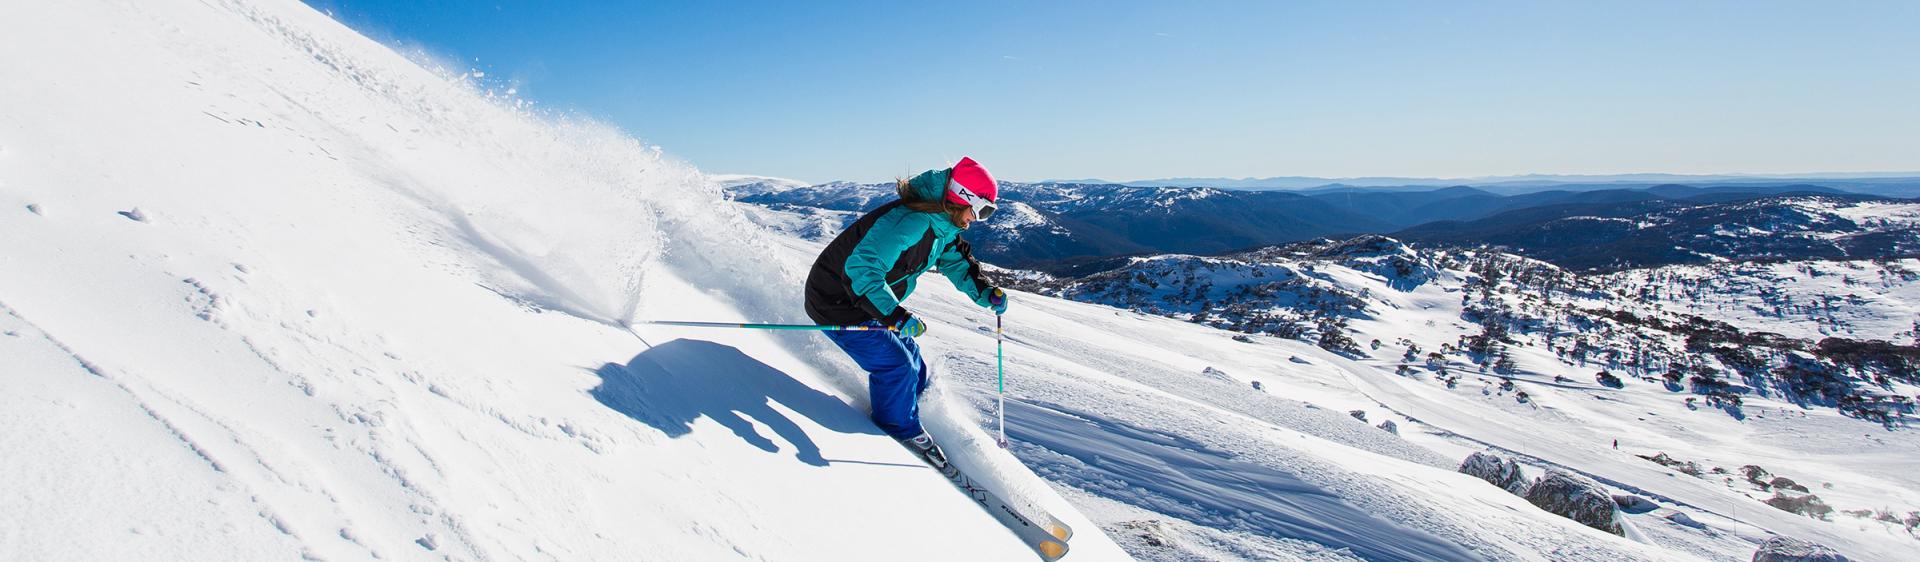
[(874, 264)]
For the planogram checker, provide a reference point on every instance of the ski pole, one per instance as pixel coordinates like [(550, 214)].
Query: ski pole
[(1000, 362), (753, 326)]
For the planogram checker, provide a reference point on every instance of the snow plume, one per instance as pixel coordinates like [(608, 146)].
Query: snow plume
[(572, 213), (561, 213)]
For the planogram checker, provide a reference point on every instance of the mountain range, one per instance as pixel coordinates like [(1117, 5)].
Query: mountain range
[(1056, 226), (1896, 184)]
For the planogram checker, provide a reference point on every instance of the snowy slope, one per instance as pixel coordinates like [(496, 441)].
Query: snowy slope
[(1554, 414), (1810, 300), (270, 291)]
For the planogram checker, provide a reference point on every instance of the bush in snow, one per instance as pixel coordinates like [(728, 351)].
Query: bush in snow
[(1503, 473), (1358, 414), (1608, 380), (1785, 483), (1576, 497), (1334, 338), (1389, 427), (1788, 549), (1809, 505)]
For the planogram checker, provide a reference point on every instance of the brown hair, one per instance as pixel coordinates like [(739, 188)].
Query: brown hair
[(913, 201)]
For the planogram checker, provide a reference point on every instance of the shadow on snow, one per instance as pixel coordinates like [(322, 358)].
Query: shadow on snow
[(670, 386)]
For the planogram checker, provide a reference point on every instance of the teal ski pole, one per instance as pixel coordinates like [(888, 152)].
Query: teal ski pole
[(1000, 362), (753, 326)]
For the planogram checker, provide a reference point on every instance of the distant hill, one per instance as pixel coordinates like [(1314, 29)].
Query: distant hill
[(1890, 184), (1704, 228), (1059, 226)]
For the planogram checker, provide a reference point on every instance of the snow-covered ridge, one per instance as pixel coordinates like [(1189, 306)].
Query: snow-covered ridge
[(750, 184)]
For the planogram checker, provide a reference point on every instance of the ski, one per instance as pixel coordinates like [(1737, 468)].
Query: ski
[(1045, 534), (1049, 543)]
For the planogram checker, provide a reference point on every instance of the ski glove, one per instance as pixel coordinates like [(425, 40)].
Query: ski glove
[(997, 300), (909, 326)]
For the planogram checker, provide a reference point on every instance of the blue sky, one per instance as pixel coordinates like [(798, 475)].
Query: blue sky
[(1134, 90)]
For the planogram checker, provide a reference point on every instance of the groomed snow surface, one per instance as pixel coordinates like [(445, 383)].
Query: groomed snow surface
[(270, 291)]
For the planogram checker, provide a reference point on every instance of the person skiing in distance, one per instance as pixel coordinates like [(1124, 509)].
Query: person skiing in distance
[(864, 274)]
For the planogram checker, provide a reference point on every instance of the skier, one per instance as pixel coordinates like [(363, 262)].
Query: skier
[(864, 274)]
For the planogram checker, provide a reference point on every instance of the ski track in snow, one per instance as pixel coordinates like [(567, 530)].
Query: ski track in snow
[(1172, 475)]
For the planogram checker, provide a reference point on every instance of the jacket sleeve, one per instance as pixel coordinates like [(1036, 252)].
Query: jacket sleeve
[(957, 264), (874, 256)]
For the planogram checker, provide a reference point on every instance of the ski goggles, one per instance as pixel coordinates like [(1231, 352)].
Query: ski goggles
[(982, 207)]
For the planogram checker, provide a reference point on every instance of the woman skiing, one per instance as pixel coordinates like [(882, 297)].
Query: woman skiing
[(864, 274)]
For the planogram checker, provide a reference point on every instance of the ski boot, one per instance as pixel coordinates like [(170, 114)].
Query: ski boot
[(924, 446)]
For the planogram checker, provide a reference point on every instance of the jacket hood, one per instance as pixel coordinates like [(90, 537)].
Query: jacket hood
[(930, 185)]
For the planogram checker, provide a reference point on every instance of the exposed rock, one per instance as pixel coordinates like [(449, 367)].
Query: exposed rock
[(1497, 471), (1576, 497), (1634, 504), (1788, 549), (1784, 483), (1681, 518), (1756, 476), (1389, 427), (1689, 468), (1358, 414)]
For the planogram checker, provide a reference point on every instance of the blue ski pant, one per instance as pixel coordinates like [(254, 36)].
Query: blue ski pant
[(896, 376)]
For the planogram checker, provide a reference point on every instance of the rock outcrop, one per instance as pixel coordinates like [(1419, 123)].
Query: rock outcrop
[(1576, 497), (1497, 471), (1789, 549)]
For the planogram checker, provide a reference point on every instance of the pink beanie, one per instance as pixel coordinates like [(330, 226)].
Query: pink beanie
[(971, 176)]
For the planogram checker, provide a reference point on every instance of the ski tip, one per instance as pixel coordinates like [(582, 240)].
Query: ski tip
[(1051, 550), (1060, 531)]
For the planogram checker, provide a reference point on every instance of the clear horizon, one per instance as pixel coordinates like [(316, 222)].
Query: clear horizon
[(869, 91), (1841, 176)]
